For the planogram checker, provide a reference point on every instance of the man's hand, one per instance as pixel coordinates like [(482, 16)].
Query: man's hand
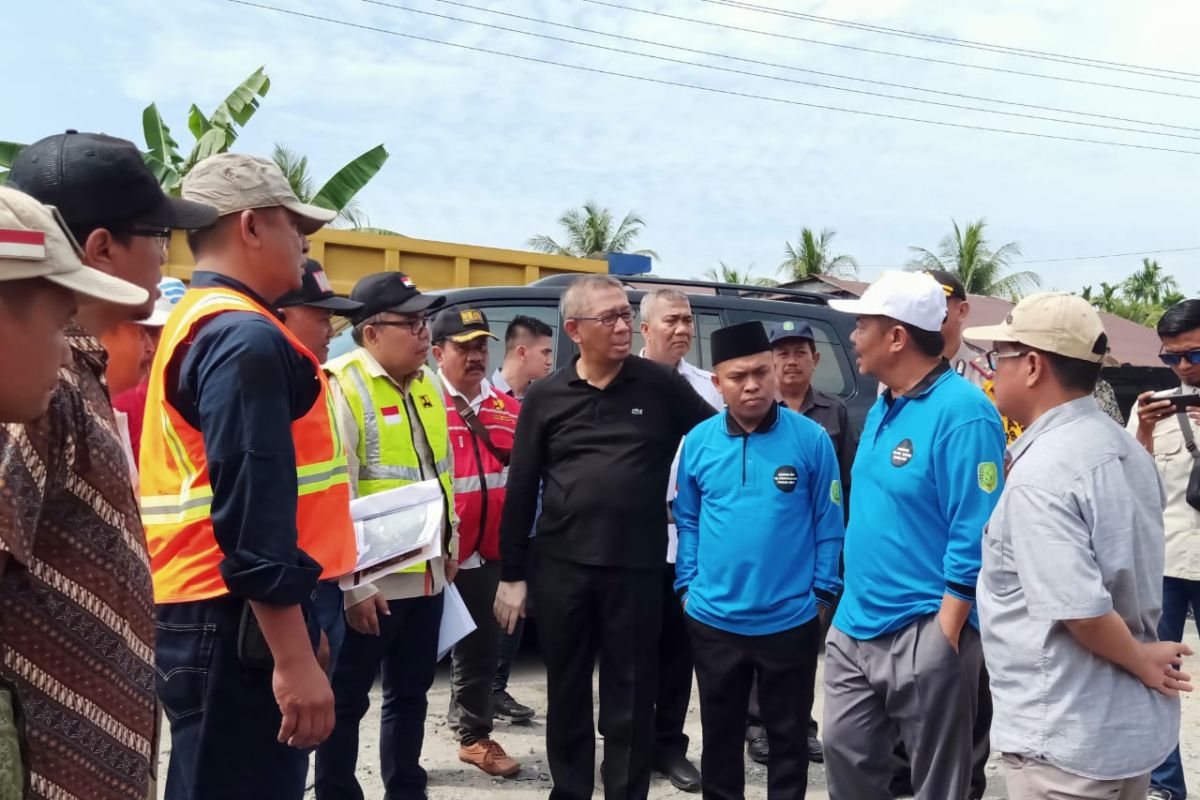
[(451, 567), (1158, 667), (824, 616), (510, 604), (364, 617), (323, 653), (951, 630), (306, 701), (1150, 413)]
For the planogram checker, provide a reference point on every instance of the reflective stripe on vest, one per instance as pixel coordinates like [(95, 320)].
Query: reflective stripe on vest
[(386, 452), (177, 496)]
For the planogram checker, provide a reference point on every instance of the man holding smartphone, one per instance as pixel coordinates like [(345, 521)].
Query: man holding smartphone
[(1168, 425)]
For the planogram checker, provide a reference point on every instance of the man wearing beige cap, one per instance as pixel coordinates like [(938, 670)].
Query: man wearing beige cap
[(903, 654), (244, 497), (1070, 593), (76, 604)]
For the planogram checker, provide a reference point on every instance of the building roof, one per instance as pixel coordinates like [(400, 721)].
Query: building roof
[(1129, 343)]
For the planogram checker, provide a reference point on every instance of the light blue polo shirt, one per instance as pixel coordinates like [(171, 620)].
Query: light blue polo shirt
[(928, 473)]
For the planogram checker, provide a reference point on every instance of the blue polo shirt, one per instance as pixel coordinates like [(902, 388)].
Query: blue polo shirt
[(928, 472), (759, 517)]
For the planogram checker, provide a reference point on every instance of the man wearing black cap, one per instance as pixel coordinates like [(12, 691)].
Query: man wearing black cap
[(755, 595), (76, 602), (308, 311), (482, 424), (393, 421)]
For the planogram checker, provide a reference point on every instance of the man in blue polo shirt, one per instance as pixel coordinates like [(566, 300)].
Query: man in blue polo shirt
[(904, 654), (751, 592)]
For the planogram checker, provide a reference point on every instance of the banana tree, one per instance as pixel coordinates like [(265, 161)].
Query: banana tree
[(337, 193)]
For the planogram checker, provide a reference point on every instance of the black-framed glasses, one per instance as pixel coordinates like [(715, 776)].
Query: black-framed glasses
[(995, 356), (414, 326), (1173, 359), (162, 234), (610, 320)]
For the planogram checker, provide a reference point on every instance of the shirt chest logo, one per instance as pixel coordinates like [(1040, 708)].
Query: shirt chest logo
[(903, 453), (785, 479), (637, 412)]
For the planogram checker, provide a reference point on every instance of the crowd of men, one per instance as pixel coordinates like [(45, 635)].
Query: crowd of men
[(177, 469)]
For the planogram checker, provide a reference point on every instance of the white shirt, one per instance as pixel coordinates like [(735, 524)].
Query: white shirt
[(1181, 522), (701, 381), (500, 383)]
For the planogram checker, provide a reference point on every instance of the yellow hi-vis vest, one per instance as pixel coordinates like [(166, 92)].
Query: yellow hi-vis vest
[(387, 454)]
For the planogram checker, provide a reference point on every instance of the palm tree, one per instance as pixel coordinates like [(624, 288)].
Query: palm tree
[(727, 274), (966, 254), (1150, 284), (590, 232), (811, 257)]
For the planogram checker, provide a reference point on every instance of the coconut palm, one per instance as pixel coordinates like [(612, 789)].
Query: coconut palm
[(1150, 284), (966, 253), (723, 273), (590, 232), (811, 256)]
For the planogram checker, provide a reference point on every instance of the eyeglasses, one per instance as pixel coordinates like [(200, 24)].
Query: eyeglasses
[(1173, 359), (610, 320), (163, 234), (993, 356), (414, 326)]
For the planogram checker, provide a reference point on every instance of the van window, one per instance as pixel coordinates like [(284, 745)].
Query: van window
[(834, 373)]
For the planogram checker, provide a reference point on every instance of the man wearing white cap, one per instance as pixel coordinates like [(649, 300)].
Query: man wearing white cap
[(1071, 588), (904, 652)]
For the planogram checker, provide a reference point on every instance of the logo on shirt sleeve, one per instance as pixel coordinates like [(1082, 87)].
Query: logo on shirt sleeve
[(989, 476), (835, 492), (903, 453), (785, 479)]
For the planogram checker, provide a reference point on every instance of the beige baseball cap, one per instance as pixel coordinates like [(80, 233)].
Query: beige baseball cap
[(35, 243), (1054, 322), (232, 182)]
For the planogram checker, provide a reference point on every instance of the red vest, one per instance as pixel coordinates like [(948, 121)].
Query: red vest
[(479, 477)]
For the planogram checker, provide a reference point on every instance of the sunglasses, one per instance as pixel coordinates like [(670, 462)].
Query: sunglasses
[(1173, 359)]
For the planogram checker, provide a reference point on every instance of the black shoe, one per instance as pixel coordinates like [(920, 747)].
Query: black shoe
[(758, 750), (816, 753), (682, 774), (504, 707)]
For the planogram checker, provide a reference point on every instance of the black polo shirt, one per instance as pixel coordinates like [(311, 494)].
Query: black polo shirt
[(603, 459)]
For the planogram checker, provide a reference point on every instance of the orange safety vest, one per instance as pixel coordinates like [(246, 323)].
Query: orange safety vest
[(175, 488)]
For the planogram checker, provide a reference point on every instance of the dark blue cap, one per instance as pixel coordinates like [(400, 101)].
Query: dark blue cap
[(790, 329)]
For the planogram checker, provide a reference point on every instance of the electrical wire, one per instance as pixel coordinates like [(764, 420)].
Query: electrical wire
[(1044, 55), (774, 65), (709, 89), (892, 53)]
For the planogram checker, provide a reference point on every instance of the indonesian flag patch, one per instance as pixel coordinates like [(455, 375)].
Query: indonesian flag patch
[(322, 281), (391, 415), (22, 244), (407, 281)]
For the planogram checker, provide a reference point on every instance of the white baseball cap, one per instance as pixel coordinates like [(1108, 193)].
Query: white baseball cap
[(911, 297), (1053, 322), (35, 243)]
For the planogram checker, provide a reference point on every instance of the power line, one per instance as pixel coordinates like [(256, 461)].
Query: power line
[(1044, 55), (1060, 260), (709, 89), (774, 65), (892, 53)]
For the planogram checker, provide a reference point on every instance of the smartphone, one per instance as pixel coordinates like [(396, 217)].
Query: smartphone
[(1178, 401)]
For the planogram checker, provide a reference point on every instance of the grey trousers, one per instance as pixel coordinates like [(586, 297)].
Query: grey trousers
[(908, 684), (1028, 779), (476, 656)]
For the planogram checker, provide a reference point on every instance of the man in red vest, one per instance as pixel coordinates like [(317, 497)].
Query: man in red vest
[(481, 422)]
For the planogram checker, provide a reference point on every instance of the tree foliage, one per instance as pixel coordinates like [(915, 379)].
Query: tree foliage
[(966, 253), (591, 231)]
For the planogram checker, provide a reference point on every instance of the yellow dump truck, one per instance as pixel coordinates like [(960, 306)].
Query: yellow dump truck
[(349, 255)]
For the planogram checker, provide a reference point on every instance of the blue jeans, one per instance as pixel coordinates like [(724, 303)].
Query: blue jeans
[(223, 715), (330, 617), (1178, 596), (406, 650)]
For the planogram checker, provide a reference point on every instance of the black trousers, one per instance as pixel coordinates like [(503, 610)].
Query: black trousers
[(614, 613), (674, 676), (475, 658), (785, 665)]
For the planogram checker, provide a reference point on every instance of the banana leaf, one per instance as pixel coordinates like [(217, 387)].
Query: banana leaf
[(339, 190), (158, 137), (242, 102)]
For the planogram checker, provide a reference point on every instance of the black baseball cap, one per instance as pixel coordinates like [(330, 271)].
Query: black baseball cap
[(315, 290), (391, 291), (93, 180), (950, 283), (789, 329), (460, 325)]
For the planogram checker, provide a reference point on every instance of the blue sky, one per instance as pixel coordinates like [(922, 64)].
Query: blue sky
[(490, 150)]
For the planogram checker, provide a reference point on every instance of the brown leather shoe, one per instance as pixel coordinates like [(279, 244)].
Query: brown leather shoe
[(490, 757)]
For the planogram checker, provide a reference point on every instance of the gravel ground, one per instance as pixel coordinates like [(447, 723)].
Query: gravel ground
[(451, 780)]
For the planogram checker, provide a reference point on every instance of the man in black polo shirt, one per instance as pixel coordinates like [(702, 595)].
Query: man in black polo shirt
[(600, 434)]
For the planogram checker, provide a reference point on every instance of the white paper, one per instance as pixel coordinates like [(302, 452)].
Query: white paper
[(456, 621), (353, 580), (395, 529)]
